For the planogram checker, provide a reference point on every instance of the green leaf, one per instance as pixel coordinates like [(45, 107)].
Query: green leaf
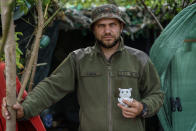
[(45, 2), (17, 34)]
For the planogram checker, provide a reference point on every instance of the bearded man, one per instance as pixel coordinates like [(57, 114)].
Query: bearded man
[(97, 73)]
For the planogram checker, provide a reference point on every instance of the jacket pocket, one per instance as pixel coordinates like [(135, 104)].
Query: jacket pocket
[(128, 74), (125, 80), (90, 74), (91, 82)]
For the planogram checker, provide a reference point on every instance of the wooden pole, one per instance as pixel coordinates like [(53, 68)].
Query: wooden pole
[(10, 59)]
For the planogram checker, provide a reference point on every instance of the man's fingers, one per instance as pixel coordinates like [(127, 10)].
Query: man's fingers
[(4, 102), (128, 115), (130, 103), (16, 106), (134, 108), (123, 108), (127, 109), (5, 112)]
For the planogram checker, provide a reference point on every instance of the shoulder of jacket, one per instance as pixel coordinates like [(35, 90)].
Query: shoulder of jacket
[(140, 55), (81, 53)]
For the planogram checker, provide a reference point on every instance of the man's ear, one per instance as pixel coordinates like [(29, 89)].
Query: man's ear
[(93, 29)]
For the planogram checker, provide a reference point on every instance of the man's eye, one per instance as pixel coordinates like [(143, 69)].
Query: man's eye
[(113, 24)]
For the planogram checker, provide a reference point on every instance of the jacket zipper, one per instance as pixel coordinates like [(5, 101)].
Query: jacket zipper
[(109, 100)]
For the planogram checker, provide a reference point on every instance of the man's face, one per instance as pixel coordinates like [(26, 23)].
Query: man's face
[(107, 31)]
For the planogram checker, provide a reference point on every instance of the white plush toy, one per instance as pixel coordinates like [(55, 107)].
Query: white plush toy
[(125, 94)]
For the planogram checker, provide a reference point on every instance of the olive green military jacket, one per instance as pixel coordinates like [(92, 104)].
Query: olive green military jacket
[(97, 82)]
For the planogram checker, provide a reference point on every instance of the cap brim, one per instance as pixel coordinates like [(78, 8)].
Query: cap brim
[(106, 16)]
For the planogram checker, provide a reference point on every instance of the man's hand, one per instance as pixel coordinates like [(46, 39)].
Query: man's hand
[(17, 107), (134, 108)]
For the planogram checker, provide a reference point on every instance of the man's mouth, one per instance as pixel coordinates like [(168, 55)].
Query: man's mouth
[(107, 37)]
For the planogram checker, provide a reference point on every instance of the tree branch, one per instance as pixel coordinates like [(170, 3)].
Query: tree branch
[(157, 21), (46, 9), (33, 74), (35, 49), (27, 22), (29, 70), (51, 18)]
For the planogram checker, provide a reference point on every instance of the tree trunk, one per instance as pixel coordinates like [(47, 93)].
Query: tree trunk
[(10, 59)]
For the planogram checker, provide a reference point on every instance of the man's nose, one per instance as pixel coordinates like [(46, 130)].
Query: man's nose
[(107, 29)]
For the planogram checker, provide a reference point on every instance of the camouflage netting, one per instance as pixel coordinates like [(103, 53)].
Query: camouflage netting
[(173, 54), (136, 18)]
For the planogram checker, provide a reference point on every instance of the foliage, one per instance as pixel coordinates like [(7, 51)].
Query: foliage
[(154, 4), (169, 7), (23, 4), (18, 52), (26, 4), (165, 10)]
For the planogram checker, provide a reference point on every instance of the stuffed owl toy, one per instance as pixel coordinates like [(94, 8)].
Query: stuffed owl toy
[(125, 94)]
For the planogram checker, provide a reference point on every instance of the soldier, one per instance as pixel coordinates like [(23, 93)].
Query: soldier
[(97, 73)]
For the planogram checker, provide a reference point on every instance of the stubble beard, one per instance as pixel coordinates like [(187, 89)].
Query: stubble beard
[(106, 46)]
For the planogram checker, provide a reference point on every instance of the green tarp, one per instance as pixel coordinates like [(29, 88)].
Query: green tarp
[(174, 56)]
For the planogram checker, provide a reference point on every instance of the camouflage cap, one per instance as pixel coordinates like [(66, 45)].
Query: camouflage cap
[(106, 11)]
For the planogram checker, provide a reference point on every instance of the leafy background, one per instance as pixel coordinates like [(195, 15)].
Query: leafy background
[(165, 10)]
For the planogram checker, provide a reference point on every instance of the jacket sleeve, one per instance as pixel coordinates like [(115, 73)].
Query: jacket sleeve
[(150, 86), (51, 89)]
